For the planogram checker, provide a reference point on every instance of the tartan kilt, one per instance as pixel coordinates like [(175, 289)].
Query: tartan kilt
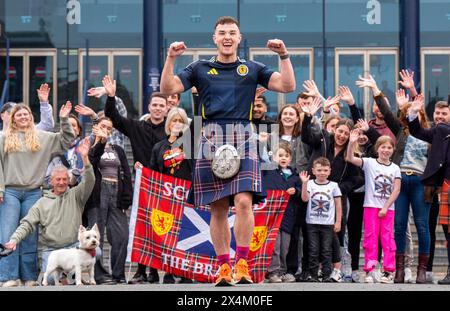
[(444, 212), (207, 187)]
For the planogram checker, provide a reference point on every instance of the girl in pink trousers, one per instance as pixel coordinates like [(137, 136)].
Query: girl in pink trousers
[(382, 181)]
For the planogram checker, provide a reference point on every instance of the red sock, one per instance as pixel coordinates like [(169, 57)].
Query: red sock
[(241, 252), (223, 259)]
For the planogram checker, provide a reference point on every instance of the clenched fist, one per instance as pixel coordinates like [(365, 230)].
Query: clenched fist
[(277, 46), (176, 49)]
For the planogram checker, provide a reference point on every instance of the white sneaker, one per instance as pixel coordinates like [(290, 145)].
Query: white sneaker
[(288, 278), (369, 278), (408, 276), (275, 278), (377, 275), (430, 278), (387, 278), (11, 283), (336, 275), (31, 283), (355, 277)]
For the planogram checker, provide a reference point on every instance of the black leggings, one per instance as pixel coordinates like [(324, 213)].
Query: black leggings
[(338, 239), (354, 226)]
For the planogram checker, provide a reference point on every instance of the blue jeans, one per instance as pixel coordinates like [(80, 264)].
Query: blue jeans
[(412, 193), (23, 263)]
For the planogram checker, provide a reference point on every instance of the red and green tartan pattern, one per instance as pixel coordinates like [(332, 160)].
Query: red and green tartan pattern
[(160, 252)]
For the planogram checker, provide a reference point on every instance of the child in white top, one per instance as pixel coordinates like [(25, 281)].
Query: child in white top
[(323, 216), (382, 185)]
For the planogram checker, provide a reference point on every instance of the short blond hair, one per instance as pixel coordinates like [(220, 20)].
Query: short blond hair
[(173, 113)]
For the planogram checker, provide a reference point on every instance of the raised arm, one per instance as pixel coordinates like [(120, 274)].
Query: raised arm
[(347, 97), (170, 83), (310, 137), (304, 177), (392, 122), (415, 129), (283, 81), (354, 134), (408, 81), (47, 122)]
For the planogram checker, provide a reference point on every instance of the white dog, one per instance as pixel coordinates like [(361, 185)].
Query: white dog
[(78, 260)]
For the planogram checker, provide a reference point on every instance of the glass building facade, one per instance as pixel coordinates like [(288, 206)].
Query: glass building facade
[(73, 44)]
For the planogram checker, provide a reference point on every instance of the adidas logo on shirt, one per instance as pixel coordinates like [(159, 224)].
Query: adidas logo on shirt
[(213, 72)]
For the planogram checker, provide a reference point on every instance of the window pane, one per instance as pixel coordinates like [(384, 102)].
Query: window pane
[(382, 68), (41, 71), (301, 70), (437, 80), (126, 74), (98, 68), (350, 67)]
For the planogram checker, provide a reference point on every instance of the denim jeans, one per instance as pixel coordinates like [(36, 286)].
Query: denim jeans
[(108, 216), (23, 263), (412, 193)]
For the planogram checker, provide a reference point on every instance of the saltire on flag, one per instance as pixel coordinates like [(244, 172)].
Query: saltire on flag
[(168, 234)]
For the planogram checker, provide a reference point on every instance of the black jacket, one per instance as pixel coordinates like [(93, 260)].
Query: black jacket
[(143, 135), (438, 136), (275, 180), (125, 188), (348, 176), (183, 171)]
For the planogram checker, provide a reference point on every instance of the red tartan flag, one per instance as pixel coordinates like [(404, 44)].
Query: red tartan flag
[(169, 234)]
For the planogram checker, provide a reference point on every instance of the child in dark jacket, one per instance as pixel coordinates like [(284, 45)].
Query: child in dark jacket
[(285, 178)]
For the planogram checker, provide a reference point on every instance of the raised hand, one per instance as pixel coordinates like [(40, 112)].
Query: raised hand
[(110, 86), (277, 46), (330, 102), (418, 103), (362, 125), (43, 92), (366, 82), (304, 177), (402, 98), (346, 95), (260, 91), (83, 147), (96, 92), (65, 110), (176, 49), (311, 88), (99, 132), (407, 79), (85, 110), (315, 106), (354, 135)]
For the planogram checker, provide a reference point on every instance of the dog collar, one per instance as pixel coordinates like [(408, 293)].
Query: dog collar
[(89, 251)]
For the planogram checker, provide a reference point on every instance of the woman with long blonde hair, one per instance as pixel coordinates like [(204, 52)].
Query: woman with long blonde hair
[(24, 154)]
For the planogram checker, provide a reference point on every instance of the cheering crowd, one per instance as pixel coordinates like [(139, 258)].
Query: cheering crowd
[(348, 178)]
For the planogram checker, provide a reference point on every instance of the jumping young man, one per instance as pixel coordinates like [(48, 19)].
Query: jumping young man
[(227, 86)]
